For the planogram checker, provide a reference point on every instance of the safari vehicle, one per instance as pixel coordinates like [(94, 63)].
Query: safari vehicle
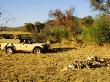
[(25, 45)]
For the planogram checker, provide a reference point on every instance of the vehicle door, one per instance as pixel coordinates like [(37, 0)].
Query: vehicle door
[(26, 46), (20, 46)]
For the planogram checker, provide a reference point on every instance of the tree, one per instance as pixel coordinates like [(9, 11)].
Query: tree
[(102, 5), (64, 18), (4, 20), (35, 28), (87, 21), (29, 27), (39, 26), (100, 33)]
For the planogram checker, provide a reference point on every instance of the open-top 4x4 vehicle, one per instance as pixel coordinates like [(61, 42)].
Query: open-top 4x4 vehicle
[(26, 45)]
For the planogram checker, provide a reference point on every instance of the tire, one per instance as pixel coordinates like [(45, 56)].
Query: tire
[(10, 50), (37, 51)]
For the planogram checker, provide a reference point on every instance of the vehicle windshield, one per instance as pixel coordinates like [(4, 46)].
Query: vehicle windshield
[(28, 41)]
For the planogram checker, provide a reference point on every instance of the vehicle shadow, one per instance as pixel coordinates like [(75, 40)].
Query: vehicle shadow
[(52, 50), (56, 50)]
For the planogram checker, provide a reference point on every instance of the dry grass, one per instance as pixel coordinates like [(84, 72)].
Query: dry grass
[(48, 67), (9, 40)]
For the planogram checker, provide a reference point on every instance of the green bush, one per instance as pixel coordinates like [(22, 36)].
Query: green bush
[(99, 34), (58, 34), (54, 34), (88, 35), (103, 29)]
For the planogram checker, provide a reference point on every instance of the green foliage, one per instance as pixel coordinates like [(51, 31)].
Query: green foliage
[(58, 33), (100, 33), (102, 29), (35, 28), (102, 5), (39, 26), (54, 34), (87, 21), (29, 27), (88, 35)]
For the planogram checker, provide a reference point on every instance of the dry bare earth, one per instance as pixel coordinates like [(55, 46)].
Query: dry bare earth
[(49, 67)]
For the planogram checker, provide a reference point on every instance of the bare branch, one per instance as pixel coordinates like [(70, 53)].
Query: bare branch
[(4, 20)]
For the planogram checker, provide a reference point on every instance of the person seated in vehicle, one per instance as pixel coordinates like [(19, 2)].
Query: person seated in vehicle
[(25, 42)]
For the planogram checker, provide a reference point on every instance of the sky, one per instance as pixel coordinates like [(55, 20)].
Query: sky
[(24, 11)]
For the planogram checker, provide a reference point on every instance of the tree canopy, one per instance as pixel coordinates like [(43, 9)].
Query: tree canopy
[(102, 5), (64, 18)]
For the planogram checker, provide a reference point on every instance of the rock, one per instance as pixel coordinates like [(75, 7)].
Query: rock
[(90, 58), (91, 62), (72, 66)]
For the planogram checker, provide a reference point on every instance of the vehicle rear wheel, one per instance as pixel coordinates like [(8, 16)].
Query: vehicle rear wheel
[(37, 50), (10, 50)]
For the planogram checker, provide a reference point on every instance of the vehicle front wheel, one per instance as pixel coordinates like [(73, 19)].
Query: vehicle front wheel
[(10, 50), (37, 51)]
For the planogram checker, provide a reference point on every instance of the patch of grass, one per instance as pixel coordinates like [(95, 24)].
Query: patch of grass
[(28, 67), (9, 40)]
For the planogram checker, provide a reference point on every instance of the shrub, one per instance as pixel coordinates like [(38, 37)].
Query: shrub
[(58, 34), (103, 29), (88, 35), (100, 33), (54, 34)]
